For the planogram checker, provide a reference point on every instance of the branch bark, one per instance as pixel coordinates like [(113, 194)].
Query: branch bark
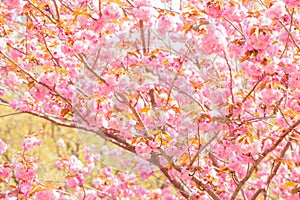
[(263, 155)]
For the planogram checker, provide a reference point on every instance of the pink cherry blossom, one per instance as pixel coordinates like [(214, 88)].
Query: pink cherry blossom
[(3, 146), (12, 79), (13, 3), (276, 10), (143, 149), (112, 11), (213, 10), (75, 164), (292, 3), (4, 172), (165, 24), (73, 182), (203, 95), (214, 40), (61, 143), (47, 195), (30, 142)]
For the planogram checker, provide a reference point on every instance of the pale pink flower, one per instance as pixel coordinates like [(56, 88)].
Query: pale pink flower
[(142, 148), (47, 195), (72, 182), (25, 173), (213, 10), (75, 164), (107, 171), (89, 158), (30, 142), (12, 79), (165, 24), (59, 164), (270, 96), (143, 12), (172, 150), (235, 13), (294, 80), (174, 173), (276, 10), (292, 3), (48, 78), (139, 3), (214, 41), (91, 195), (4, 171), (259, 38), (112, 11), (61, 143), (75, 181), (25, 188), (3, 146), (145, 168), (12, 3), (97, 182)]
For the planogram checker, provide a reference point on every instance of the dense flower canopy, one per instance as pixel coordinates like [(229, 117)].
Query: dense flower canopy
[(208, 93)]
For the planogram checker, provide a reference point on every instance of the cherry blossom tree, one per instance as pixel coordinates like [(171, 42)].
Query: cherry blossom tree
[(207, 93)]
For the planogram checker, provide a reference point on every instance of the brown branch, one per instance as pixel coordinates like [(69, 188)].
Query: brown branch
[(55, 61), (177, 74), (154, 159), (290, 29), (100, 8), (18, 50), (135, 113), (284, 118), (204, 186), (143, 36), (10, 114), (290, 34), (257, 193), (67, 6), (175, 182), (201, 149), (56, 9), (48, 87), (41, 12), (103, 133), (275, 169), (263, 155), (231, 81), (242, 34), (252, 90), (4, 102), (130, 3), (81, 58)]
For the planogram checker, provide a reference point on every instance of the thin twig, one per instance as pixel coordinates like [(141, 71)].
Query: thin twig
[(242, 34), (263, 155), (41, 12), (290, 29), (55, 60), (143, 36), (246, 97), (201, 149), (290, 34), (45, 85), (231, 81), (10, 114), (82, 59), (56, 9)]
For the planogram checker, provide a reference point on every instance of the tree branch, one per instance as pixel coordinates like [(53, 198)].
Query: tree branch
[(263, 155), (246, 97)]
